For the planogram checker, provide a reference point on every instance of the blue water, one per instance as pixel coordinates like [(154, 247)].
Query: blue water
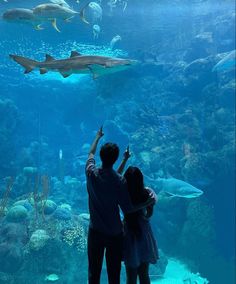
[(176, 114)]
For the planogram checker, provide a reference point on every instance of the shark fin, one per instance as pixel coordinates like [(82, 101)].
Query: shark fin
[(43, 71), (49, 58), (38, 27), (75, 53), (27, 63), (54, 24), (65, 75), (82, 14), (168, 194), (95, 75), (28, 70)]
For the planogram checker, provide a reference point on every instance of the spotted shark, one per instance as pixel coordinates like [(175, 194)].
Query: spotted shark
[(76, 64)]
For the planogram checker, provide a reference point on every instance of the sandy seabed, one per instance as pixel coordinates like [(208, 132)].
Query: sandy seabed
[(178, 273)]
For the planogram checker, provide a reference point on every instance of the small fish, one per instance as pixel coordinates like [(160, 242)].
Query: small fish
[(96, 31), (114, 41), (60, 154), (226, 63), (76, 64)]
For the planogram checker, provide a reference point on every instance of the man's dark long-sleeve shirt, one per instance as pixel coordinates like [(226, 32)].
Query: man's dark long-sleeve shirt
[(107, 192)]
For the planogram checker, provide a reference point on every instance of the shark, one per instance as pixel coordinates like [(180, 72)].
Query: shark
[(175, 187), (21, 15), (75, 64)]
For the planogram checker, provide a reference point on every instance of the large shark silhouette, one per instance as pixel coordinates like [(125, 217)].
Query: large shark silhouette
[(76, 64)]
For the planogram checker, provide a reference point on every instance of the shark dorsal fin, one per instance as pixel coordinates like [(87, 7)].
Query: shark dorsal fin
[(49, 58), (75, 53)]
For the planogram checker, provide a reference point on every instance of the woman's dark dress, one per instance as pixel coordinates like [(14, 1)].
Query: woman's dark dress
[(140, 248)]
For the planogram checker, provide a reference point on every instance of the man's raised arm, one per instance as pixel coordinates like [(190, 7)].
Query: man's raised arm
[(94, 145), (90, 165)]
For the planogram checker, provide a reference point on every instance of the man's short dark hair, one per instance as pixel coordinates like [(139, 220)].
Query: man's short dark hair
[(109, 153)]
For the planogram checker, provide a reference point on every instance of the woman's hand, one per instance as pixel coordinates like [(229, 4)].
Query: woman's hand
[(100, 133), (127, 154)]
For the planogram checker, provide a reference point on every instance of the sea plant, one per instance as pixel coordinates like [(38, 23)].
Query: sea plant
[(40, 197), (6, 195)]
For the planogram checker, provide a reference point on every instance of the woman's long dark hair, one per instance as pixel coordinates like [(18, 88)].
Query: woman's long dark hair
[(138, 195)]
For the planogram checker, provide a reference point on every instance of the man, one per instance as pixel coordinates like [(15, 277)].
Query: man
[(107, 193)]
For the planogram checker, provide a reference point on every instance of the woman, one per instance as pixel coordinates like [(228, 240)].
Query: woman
[(140, 247)]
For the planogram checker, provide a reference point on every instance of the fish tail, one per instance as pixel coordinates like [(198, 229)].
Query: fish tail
[(27, 63), (82, 14)]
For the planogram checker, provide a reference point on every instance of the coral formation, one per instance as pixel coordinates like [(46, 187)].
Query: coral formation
[(17, 213), (38, 239)]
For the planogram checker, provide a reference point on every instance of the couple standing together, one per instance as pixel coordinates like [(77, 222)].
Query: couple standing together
[(131, 240)]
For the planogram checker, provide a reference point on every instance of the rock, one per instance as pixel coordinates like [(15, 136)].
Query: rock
[(17, 214), (24, 203), (49, 207), (66, 206), (62, 214), (38, 240)]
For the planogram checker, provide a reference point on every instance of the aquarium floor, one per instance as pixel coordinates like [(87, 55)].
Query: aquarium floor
[(176, 272)]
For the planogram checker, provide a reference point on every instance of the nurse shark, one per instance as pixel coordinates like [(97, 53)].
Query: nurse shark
[(76, 64), (176, 187)]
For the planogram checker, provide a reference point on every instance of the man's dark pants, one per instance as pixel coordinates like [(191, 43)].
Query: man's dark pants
[(98, 244)]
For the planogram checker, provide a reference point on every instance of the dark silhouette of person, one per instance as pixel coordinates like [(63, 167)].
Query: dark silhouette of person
[(140, 248), (107, 191)]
